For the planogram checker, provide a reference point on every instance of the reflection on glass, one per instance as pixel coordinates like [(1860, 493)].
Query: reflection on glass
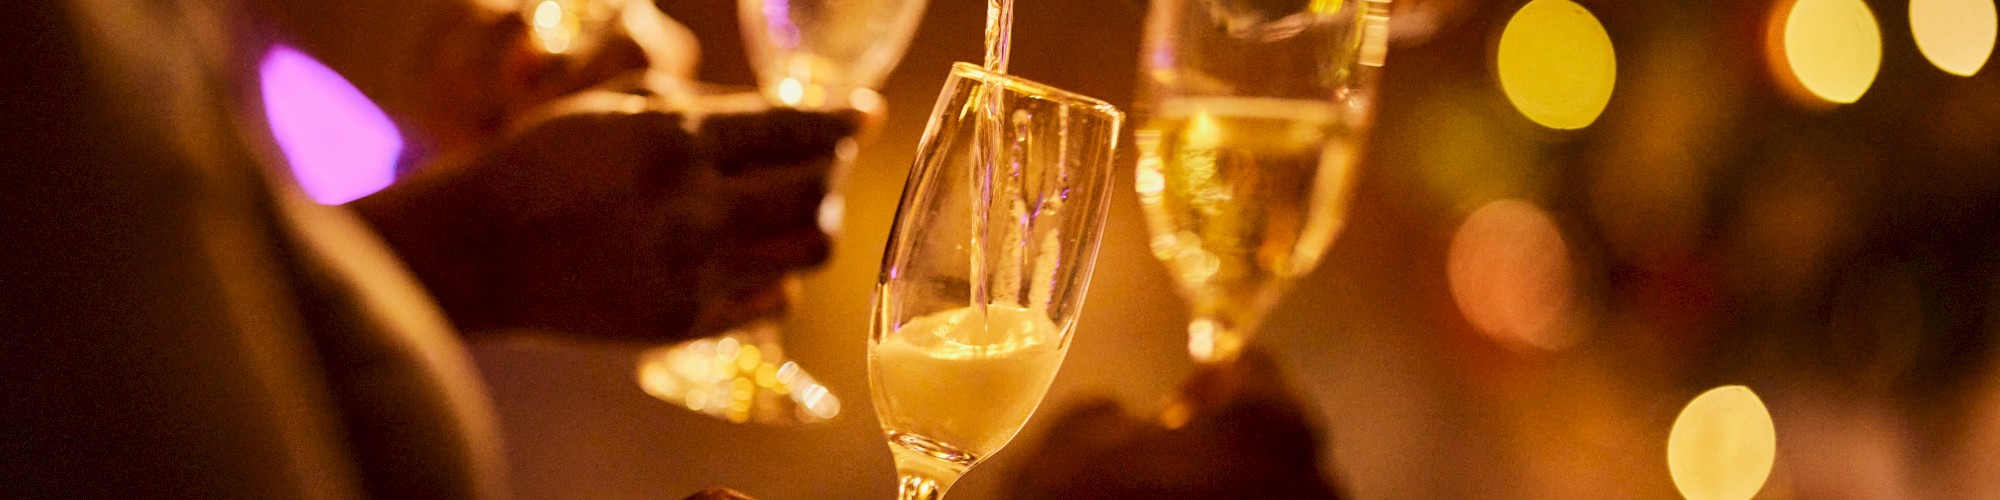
[(1955, 35), (1556, 64), (1833, 47), (738, 377), (1722, 446)]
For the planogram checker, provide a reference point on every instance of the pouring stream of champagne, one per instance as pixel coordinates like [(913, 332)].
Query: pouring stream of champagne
[(990, 156)]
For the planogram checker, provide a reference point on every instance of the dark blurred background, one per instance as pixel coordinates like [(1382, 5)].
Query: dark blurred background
[(1512, 312)]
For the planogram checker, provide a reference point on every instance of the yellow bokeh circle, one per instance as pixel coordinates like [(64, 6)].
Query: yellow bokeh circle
[(1722, 446), (1955, 35), (1556, 64), (1833, 47)]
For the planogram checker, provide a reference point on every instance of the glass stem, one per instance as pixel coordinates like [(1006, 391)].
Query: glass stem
[(917, 487), (1213, 340), (922, 479)]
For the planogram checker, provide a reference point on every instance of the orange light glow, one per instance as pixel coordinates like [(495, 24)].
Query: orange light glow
[(1510, 275)]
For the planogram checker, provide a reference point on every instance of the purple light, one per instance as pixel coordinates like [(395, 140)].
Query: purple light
[(340, 146), (778, 20)]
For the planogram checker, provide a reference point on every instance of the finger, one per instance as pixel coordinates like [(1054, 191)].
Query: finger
[(583, 108), (741, 300), (779, 254), (776, 200), (614, 57), (776, 138)]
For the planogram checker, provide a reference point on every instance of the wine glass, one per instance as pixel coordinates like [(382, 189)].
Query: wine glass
[(825, 53), (1253, 111), (810, 54), (985, 270)]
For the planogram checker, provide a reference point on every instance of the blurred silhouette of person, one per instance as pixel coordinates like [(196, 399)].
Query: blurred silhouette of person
[(1235, 430), (182, 322)]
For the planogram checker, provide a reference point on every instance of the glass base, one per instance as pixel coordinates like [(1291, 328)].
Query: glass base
[(926, 468), (740, 376)]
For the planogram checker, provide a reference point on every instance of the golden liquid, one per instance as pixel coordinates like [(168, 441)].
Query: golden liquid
[(1241, 194), (961, 387)]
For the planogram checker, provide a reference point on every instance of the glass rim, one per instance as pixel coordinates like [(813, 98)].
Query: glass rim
[(1030, 87)]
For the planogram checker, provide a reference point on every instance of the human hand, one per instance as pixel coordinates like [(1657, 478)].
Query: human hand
[(489, 68), (618, 216)]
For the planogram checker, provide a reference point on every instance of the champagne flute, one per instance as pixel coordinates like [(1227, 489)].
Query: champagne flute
[(1253, 111), (956, 372), (810, 54)]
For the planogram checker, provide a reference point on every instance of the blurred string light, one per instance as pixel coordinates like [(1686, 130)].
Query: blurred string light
[(1955, 35), (1510, 275), (737, 379), (1832, 47), (1722, 446), (340, 146), (1556, 64)]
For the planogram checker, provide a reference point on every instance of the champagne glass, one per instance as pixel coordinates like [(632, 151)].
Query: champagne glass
[(826, 53), (810, 54), (985, 270), (1253, 110)]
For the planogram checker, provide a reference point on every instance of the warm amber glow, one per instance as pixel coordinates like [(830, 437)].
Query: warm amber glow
[(1833, 48), (1955, 35), (1556, 64), (1722, 445), (1510, 274)]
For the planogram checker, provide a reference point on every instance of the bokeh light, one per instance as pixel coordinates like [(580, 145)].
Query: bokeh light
[(1510, 275), (557, 24), (1722, 446), (791, 92), (1955, 35), (739, 377), (339, 144), (1833, 48), (1556, 64)]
